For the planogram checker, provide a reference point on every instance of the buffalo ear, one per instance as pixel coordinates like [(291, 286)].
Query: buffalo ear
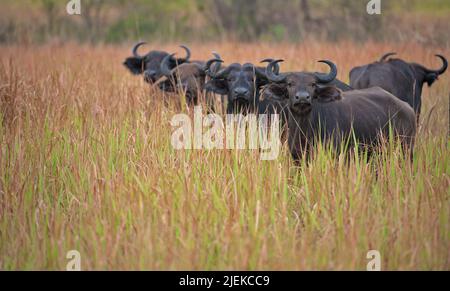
[(328, 93), (167, 86), (173, 63), (280, 90), (430, 78), (262, 81), (135, 65), (217, 86), (180, 61)]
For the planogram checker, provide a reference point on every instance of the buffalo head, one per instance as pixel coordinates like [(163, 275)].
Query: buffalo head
[(428, 76), (150, 64), (187, 78), (240, 82), (303, 89)]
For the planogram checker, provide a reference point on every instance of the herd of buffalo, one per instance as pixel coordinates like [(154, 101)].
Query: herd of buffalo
[(383, 97)]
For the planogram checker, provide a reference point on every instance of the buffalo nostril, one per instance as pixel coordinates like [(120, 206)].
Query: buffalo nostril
[(241, 91), (302, 96)]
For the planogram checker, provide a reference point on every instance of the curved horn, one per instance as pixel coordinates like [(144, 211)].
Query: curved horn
[(165, 69), (385, 56), (322, 78), (188, 52), (276, 68), (222, 73), (208, 64), (443, 68), (272, 75), (219, 75), (135, 49), (218, 64), (216, 55)]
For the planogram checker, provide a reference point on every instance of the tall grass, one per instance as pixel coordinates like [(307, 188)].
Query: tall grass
[(86, 163)]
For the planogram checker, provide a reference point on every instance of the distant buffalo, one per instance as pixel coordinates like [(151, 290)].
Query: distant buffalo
[(241, 83), (150, 64), (402, 79), (319, 110), (187, 78)]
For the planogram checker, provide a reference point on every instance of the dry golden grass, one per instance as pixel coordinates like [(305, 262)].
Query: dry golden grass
[(86, 164)]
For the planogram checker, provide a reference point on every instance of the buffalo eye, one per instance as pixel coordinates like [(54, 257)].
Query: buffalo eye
[(290, 84)]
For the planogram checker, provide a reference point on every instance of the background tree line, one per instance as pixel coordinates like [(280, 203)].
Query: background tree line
[(115, 21)]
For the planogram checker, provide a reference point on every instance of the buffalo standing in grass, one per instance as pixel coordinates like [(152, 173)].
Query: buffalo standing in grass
[(275, 92), (150, 64), (241, 83), (188, 79), (402, 79), (318, 110)]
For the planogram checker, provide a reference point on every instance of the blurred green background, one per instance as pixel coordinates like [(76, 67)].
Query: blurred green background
[(116, 21)]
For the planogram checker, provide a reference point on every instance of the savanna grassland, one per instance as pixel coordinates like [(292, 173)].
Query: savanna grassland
[(86, 163)]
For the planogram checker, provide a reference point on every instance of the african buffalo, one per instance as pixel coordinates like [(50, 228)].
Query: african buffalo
[(150, 64), (243, 83), (274, 94), (318, 110), (402, 79), (187, 78), (240, 82)]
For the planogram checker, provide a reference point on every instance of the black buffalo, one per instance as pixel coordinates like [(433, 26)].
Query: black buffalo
[(249, 90), (241, 83), (274, 94), (276, 91), (187, 79), (402, 79), (319, 110), (150, 64)]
